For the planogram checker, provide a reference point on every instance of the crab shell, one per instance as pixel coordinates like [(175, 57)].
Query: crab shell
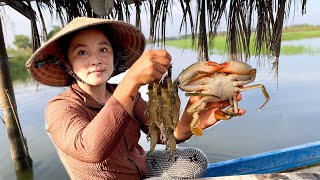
[(237, 67), (196, 71), (200, 69)]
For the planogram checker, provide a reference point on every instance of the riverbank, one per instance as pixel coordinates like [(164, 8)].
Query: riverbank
[(297, 32)]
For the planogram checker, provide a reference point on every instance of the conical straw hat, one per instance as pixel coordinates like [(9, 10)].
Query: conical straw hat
[(45, 64)]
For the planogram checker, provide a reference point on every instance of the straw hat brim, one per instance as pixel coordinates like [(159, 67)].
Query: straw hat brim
[(126, 35)]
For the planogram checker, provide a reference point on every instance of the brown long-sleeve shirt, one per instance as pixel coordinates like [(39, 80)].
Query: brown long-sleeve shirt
[(97, 141)]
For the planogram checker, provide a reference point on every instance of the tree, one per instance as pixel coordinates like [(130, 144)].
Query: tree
[(53, 31), (22, 41)]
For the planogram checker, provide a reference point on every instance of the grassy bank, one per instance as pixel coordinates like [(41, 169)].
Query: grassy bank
[(289, 35), (297, 32)]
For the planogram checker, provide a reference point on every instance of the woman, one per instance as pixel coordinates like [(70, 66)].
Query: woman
[(95, 126)]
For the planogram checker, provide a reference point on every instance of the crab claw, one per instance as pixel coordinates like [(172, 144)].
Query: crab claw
[(196, 71), (226, 114), (219, 114), (236, 67), (196, 131)]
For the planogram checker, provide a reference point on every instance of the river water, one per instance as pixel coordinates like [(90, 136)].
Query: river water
[(290, 117)]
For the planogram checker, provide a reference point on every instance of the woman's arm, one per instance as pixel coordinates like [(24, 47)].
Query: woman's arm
[(89, 138)]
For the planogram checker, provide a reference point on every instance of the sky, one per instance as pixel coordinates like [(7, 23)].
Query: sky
[(14, 23)]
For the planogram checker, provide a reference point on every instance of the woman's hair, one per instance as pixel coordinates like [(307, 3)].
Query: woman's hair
[(119, 54)]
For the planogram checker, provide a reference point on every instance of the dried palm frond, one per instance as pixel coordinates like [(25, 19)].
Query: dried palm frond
[(162, 9), (44, 29), (240, 14), (201, 17)]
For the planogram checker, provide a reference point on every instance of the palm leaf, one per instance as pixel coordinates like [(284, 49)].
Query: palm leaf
[(263, 18)]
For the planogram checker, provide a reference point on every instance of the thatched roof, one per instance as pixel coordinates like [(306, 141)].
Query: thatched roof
[(203, 23)]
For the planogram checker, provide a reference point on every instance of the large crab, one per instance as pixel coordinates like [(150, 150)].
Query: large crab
[(216, 82)]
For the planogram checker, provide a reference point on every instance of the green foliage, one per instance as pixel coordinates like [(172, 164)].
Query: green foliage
[(296, 35), (17, 63), (53, 31), (292, 50), (22, 41)]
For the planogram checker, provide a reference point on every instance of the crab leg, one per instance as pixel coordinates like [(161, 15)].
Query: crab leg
[(201, 104), (233, 110), (264, 91), (222, 115), (235, 105), (201, 94), (195, 125)]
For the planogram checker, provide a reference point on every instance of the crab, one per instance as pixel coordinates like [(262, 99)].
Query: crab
[(217, 82)]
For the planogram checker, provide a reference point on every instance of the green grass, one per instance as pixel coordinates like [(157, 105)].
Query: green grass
[(297, 35), (293, 50), (297, 32), (17, 63)]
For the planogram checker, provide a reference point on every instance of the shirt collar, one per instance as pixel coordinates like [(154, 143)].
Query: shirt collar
[(87, 99)]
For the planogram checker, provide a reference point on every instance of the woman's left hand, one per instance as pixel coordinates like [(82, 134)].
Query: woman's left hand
[(207, 118)]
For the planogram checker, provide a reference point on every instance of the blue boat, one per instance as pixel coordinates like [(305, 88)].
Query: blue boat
[(293, 159)]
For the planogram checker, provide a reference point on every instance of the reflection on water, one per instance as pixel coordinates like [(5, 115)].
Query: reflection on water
[(288, 119), (31, 101), (305, 46), (312, 43)]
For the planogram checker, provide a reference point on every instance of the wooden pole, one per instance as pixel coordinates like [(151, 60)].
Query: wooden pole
[(18, 145)]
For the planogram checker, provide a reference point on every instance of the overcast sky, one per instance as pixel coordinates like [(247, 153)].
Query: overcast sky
[(15, 23)]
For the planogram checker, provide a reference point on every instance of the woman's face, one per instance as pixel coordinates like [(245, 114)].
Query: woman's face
[(91, 56)]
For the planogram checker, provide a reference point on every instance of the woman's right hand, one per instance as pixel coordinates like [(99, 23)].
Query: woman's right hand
[(151, 65)]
